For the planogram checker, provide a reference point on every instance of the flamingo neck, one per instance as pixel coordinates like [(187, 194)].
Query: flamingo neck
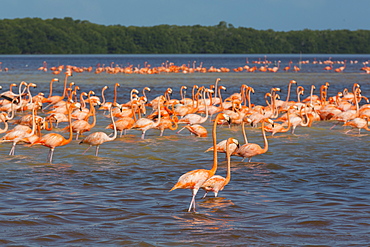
[(103, 95), (174, 121), (228, 174), (244, 133), (214, 138), (266, 144), (65, 87), (114, 126), (159, 114), (288, 95), (216, 85), (205, 103), (70, 124), (221, 103), (311, 94), (51, 88)]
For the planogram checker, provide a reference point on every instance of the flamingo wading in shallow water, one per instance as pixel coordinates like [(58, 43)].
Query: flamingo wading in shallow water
[(98, 138), (250, 150), (53, 140), (194, 179), (217, 183)]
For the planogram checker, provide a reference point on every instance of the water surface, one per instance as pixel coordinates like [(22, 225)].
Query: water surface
[(309, 189)]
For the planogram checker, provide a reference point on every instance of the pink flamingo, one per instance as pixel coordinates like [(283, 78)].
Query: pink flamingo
[(53, 140), (98, 138), (217, 183), (194, 179)]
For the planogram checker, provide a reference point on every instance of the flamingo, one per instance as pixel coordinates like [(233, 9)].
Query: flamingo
[(107, 105), (52, 100), (194, 179), (285, 104), (288, 67), (350, 114), (51, 90), (3, 118), (279, 128), (18, 133), (221, 146), (192, 119), (327, 68), (53, 140), (144, 124), (125, 123), (217, 183), (122, 124), (10, 94), (81, 126), (98, 138), (168, 123), (358, 123), (17, 99), (250, 150), (197, 129)]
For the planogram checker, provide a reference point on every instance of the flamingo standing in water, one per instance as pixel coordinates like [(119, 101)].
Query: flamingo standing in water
[(18, 133), (145, 124), (221, 146), (193, 118), (53, 140), (217, 183), (250, 150), (52, 100), (98, 138), (82, 126), (3, 118), (358, 123), (197, 129), (194, 179), (168, 123)]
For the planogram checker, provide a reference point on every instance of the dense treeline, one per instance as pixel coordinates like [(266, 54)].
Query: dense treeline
[(68, 36)]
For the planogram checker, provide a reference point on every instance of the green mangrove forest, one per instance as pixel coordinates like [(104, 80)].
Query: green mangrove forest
[(68, 36)]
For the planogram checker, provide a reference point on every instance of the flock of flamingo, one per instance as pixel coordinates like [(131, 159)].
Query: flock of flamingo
[(37, 117), (261, 65)]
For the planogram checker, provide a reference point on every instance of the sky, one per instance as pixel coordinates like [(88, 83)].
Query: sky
[(278, 15)]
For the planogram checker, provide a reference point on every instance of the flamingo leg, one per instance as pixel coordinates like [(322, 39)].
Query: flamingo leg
[(12, 150), (180, 130), (143, 135), (97, 150), (332, 127), (87, 149), (50, 156), (43, 110), (192, 203), (205, 195)]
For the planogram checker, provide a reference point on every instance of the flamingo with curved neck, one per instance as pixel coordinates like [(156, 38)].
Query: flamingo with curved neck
[(250, 150), (217, 183), (194, 179), (98, 138)]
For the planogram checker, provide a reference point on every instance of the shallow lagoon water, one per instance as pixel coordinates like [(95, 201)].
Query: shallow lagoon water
[(309, 189)]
